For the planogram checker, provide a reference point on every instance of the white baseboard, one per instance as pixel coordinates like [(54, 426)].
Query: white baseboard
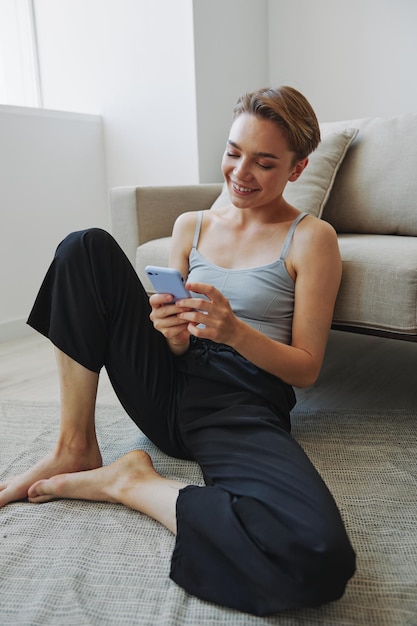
[(14, 329)]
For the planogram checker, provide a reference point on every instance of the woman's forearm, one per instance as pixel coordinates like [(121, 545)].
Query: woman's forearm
[(293, 365)]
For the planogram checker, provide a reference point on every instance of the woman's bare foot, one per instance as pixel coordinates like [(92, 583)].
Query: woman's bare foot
[(105, 484), (58, 461), (131, 480)]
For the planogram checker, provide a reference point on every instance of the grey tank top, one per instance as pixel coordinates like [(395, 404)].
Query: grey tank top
[(263, 297)]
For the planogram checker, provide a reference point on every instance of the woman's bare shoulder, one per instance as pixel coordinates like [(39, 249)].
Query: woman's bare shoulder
[(314, 245), (189, 219), (186, 223), (315, 231), (184, 226)]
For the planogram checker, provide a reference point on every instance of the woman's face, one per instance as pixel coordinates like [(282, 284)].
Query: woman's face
[(257, 163)]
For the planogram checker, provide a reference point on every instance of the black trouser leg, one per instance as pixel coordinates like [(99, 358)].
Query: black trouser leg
[(93, 307), (265, 535)]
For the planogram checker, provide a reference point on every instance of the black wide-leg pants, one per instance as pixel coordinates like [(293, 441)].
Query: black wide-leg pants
[(264, 534)]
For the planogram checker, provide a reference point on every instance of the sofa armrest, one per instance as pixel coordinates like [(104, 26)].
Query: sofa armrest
[(123, 219), (141, 214)]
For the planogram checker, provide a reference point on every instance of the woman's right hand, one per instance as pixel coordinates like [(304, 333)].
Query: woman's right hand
[(164, 316)]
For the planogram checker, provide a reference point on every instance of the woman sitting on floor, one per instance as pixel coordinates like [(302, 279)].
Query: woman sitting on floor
[(210, 378)]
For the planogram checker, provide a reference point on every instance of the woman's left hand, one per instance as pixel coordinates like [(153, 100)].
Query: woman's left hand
[(211, 317)]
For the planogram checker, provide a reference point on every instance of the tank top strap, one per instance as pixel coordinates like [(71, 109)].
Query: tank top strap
[(197, 228), (289, 237)]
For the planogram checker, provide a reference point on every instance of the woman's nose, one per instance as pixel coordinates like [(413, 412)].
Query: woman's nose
[(242, 169)]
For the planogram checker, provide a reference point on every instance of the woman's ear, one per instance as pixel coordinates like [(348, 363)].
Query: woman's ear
[(298, 169)]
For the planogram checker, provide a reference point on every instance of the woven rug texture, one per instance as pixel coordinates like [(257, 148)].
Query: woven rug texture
[(72, 563)]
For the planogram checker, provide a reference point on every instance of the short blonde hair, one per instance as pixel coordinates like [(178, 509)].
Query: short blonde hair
[(290, 110)]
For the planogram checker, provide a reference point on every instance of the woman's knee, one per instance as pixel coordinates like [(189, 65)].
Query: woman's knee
[(315, 580), (314, 576), (310, 560), (255, 561), (78, 240), (324, 572)]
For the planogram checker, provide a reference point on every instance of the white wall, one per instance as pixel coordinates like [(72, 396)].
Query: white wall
[(52, 181), (351, 58), (231, 56), (164, 75), (131, 61)]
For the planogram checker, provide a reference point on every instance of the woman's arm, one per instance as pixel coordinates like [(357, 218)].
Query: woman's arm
[(164, 315), (315, 261), (182, 241)]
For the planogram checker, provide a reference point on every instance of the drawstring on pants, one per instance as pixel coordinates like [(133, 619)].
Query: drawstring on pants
[(205, 346)]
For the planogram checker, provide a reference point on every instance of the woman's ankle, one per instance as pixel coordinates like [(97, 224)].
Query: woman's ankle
[(82, 451)]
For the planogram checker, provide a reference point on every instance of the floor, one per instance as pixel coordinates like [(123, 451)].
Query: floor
[(358, 372)]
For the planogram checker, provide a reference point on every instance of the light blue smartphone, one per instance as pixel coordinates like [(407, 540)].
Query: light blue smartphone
[(167, 280)]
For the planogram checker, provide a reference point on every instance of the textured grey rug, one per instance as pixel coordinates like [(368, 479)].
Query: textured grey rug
[(78, 563)]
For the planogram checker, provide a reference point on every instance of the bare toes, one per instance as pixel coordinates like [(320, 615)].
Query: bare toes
[(11, 493), (42, 491)]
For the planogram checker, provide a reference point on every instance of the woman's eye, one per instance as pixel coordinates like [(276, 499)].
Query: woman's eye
[(265, 167), (232, 154)]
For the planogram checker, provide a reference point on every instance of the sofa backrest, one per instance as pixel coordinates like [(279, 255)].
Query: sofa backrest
[(375, 190)]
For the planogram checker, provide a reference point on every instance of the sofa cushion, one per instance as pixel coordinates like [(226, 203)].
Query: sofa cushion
[(310, 192), (155, 252), (375, 190), (379, 283)]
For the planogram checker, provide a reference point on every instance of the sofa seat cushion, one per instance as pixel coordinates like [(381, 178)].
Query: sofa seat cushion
[(379, 283)]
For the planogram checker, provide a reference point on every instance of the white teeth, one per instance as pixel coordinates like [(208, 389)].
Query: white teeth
[(241, 189)]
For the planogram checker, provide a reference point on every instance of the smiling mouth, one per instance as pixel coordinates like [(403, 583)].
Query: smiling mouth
[(241, 189)]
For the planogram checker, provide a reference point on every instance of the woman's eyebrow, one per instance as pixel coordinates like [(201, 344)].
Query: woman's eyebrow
[(267, 155)]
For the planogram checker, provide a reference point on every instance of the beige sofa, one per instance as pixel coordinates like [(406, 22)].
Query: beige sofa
[(362, 179)]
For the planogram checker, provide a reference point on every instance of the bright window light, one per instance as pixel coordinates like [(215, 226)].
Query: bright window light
[(19, 67)]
